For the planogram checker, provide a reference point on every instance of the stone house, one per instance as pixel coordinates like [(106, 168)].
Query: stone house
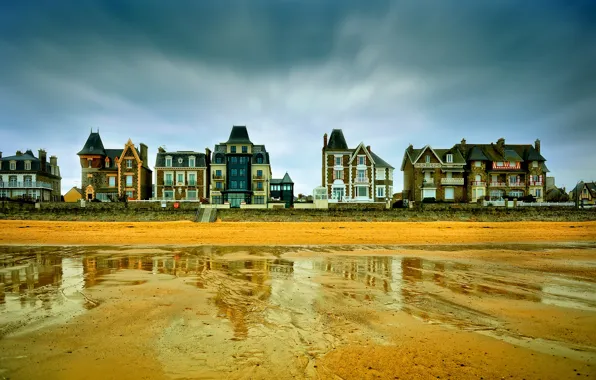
[(107, 174), (354, 174), (584, 192), (182, 175), (26, 176), (468, 172)]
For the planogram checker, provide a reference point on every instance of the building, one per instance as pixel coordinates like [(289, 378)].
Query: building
[(109, 174), (283, 190), (354, 175), (240, 171), (584, 193), (469, 172), (24, 176), (182, 175), (73, 195)]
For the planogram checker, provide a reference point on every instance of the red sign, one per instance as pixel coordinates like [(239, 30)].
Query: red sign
[(176, 205)]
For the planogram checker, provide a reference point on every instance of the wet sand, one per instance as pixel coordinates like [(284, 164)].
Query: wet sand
[(189, 233), (347, 312)]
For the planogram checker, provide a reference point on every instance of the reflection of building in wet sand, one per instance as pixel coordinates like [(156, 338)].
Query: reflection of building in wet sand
[(29, 273)]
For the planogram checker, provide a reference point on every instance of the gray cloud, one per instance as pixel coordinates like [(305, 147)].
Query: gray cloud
[(388, 73)]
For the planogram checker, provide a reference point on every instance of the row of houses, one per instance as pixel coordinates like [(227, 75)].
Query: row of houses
[(238, 172)]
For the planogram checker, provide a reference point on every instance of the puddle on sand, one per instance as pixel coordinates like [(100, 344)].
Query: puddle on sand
[(259, 295)]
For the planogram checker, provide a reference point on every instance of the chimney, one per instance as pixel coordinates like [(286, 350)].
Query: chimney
[(54, 161), (0, 154), (501, 145), (144, 156), (207, 152), (325, 141), (161, 150), (537, 145), (42, 159), (19, 153), (368, 148)]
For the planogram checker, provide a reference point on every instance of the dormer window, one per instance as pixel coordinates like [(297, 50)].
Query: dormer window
[(259, 158), (449, 158), (27, 165), (168, 162), (244, 149), (477, 164), (13, 165), (427, 159), (534, 164), (129, 164), (191, 162), (233, 149)]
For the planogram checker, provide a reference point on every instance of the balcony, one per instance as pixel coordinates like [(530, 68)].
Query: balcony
[(258, 177), (497, 184), (361, 180), (517, 184), (452, 181), (256, 188), (215, 176), (479, 183), (536, 183), (428, 183), (25, 185), (168, 183)]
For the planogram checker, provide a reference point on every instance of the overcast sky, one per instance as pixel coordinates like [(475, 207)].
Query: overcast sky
[(389, 73)]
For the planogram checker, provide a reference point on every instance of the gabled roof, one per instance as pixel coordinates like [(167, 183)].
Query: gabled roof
[(337, 140), (239, 135), (94, 145), (355, 152), (379, 162), (421, 151), (200, 162)]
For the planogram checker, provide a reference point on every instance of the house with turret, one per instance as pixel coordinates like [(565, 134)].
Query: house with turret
[(354, 174), (109, 174)]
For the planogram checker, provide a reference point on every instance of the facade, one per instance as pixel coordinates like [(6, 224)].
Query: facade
[(26, 176), (182, 175), (73, 195), (107, 174), (283, 190), (240, 171), (584, 193), (469, 172), (354, 175)]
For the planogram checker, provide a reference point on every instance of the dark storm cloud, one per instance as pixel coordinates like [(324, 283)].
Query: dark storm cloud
[(388, 72)]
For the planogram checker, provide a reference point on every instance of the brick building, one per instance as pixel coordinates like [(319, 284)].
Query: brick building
[(468, 172), (354, 175), (182, 175), (107, 174)]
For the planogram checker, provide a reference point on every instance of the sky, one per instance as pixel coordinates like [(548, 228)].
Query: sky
[(181, 73)]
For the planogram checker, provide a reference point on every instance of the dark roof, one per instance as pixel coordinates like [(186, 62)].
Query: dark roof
[(200, 161), (260, 149), (544, 168), (457, 156), (287, 179), (239, 135), (94, 145), (476, 154), (36, 164), (27, 156), (337, 140), (275, 181), (380, 162)]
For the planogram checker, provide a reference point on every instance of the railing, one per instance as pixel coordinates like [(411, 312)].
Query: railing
[(478, 183), (516, 184), (215, 176), (192, 183), (536, 183), (25, 185), (361, 180), (498, 184), (452, 181), (258, 177), (168, 183)]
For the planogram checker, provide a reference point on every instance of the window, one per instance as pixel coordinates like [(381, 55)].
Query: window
[(168, 194), (390, 191), (259, 200), (337, 161), (339, 174), (112, 181), (538, 193), (427, 159), (478, 178), (217, 200), (449, 158), (168, 162), (128, 180), (511, 163), (234, 172), (380, 191), (234, 160), (191, 162), (169, 179), (449, 193), (259, 173), (12, 180), (242, 184), (477, 164), (218, 160), (89, 162), (244, 149), (516, 193), (242, 172), (449, 175), (259, 159), (242, 160), (192, 180), (259, 185), (218, 185), (180, 178), (361, 160), (129, 164), (191, 194), (27, 180), (362, 191), (499, 164), (534, 164), (233, 184), (361, 175), (27, 165), (129, 194), (233, 149), (380, 174)]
